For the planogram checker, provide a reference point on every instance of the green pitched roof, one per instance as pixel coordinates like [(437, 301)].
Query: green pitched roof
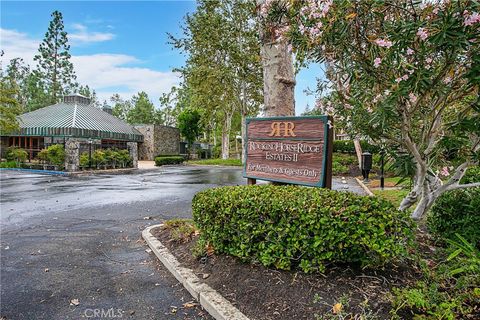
[(75, 118)]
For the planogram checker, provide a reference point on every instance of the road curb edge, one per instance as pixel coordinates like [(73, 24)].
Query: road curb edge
[(216, 305), (364, 187)]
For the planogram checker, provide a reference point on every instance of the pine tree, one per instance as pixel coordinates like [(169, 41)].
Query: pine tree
[(143, 111), (53, 59), (91, 94)]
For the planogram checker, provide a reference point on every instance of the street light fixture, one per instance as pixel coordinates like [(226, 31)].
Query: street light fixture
[(90, 141)]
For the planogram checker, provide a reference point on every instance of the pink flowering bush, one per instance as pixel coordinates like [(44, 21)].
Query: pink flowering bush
[(401, 72)]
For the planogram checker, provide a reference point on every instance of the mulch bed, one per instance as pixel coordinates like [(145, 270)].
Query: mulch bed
[(262, 293)]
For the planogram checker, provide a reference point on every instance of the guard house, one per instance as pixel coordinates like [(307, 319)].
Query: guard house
[(75, 123)]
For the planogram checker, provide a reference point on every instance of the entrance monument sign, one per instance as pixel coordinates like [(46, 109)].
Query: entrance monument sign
[(295, 150)]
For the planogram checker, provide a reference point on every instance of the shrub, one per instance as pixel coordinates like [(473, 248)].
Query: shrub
[(84, 160), (16, 154), (289, 226), (339, 169), (456, 212), (98, 158), (43, 155), (448, 290), (347, 146), (106, 157), (8, 164), (124, 158), (165, 160), (54, 155), (472, 175), (218, 162)]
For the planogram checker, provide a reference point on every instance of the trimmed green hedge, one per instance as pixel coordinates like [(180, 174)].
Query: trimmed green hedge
[(290, 226), (457, 211), (165, 160), (347, 146)]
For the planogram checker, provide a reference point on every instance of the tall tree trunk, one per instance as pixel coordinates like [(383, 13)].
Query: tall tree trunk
[(244, 135), (227, 125), (278, 80), (278, 75)]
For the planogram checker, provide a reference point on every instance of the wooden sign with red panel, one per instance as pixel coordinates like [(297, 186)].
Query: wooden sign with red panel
[(294, 150)]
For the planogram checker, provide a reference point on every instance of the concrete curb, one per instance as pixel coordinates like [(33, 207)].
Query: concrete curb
[(72, 173), (216, 305), (364, 187), (48, 172)]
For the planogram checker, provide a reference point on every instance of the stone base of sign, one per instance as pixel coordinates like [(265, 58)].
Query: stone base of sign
[(216, 305)]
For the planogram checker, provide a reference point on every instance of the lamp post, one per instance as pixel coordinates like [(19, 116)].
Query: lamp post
[(382, 171), (366, 165), (90, 153)]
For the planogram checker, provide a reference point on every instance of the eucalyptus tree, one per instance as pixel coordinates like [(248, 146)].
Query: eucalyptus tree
[(278, 72), (172, 104), (53, 58), (223, 69)]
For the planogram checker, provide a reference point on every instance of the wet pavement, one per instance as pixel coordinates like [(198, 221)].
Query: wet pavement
[(65, 238)]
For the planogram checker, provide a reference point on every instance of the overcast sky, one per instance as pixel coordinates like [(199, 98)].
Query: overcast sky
[(116, 46)]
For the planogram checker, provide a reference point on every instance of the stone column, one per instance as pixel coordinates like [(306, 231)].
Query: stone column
[(72, 154), (133, 150)]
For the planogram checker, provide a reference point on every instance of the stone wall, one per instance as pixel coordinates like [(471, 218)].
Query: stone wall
[(158, 140), (167, 141), (145, 148)]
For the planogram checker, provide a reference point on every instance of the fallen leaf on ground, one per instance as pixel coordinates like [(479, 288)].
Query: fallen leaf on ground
[(337, 308), (189, 304), (210, 250), (74, 302)]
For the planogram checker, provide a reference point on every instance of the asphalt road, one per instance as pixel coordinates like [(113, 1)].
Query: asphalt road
[(68, 238)]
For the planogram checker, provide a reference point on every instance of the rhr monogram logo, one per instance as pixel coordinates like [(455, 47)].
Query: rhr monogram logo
[(287, 129), (103, 313)]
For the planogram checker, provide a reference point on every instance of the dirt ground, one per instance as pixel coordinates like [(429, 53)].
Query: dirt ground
[(262, 293)]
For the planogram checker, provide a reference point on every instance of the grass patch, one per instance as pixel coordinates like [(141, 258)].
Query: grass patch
[(395, 196), (344, 158), (389, 182), (181, 230), (217, 162)]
